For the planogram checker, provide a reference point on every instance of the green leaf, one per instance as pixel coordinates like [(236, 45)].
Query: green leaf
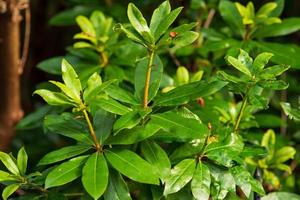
[(188, 92), (54, 98), (9, 163), (65, 172), (289, 111), (133, 166), (103, 123), (127, 121), (156, 156), (201, 182), (158, 15), (274, 71), (283, 53), (130, 34), (137, 134), (9, 190), (94, 88), (187, 150), (93, 83), (112, 106), (226, 150), (70, 78), (67, 17), (95, 175), (284, 154), (138, 22), (274, 84), (166, 23), (266, 9), (185, 38), (67, 91), (51, 65), (287, 26), (63, 154), (281, 196), (180, 175), (232, 16), (238, 65), (155, 78), (260, 61), (67, 125), (182, 75), (117, 188), (22, 161), (268, 141), (86, 26), (4, 176), (120, 94), (180, 127), (244, 179), (78, 45)]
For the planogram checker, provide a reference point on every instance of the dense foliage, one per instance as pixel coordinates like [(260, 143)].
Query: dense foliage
[(142, 129)]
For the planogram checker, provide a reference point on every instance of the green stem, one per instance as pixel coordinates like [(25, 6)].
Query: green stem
[(91, 128), (147, 81), (241, 112)]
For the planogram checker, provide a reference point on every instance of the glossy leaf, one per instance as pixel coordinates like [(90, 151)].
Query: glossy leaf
[(65, 172), (231, 15), (133, 166), (120, 94), (179, 126), (260, 61), (54, 98), (126, 121), (9, 190), (138, 22), (63, 154), (156, 156), (289, 111), (180, 175), (166, 23), (4, 176), (281, 195), (287, 26), (9, 163), (201, 182), (131, 136), (70, 78), (188, 92), (117, 188), (185, 38), (274, 71), (112, 106), (103, 123), (155, 78), (239, 65), (22, 160), (95, 175), (85, 25), (283, 154), (158, 15)]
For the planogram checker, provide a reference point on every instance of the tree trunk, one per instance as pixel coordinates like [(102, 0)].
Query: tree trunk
[(10, 105)]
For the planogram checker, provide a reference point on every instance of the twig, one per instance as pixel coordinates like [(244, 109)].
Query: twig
[(148, 77), (175, 60), (210, 17), (91, 129), (241, 112), (25, 5), (283, 98)]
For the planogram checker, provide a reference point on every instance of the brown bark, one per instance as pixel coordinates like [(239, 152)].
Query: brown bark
[(10, 105)]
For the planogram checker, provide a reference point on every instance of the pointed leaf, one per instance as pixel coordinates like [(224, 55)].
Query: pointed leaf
[(239, 65), (166, 23), (158, 15), (120, 94), (188, 92), (70, 78), (112, 106), (201, 182), (117, 188), (9, 190), (54, 98), (180, 175), (9, 163), (86, 26), (22, 161), (260, 61), (127, 121), (65, 172), (133, 166), (95, 175), (63, 154), (156, 156), (274, 71)]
